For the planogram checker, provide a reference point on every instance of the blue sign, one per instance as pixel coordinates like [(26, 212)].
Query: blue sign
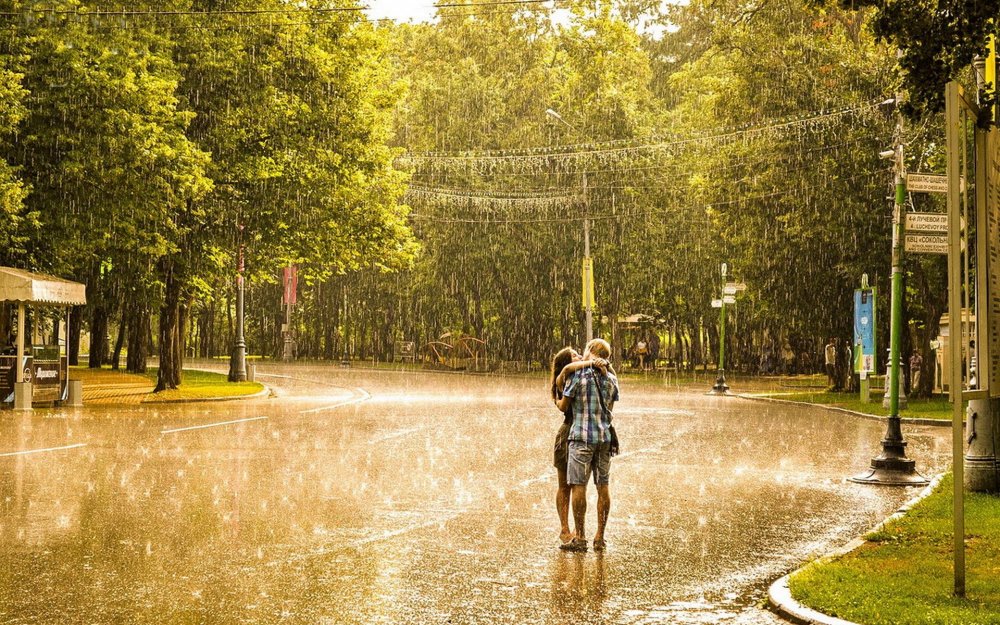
[(864, 330)]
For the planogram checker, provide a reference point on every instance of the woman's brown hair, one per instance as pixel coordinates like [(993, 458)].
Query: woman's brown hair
[(562, 358)]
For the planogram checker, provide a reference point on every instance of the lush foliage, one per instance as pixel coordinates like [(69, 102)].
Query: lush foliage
[(144, 149), (689, 136), (937, 40)]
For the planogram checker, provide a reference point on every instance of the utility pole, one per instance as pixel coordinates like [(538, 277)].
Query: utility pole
[(892, 467), (587, 269), (289, 299), (981, 471)]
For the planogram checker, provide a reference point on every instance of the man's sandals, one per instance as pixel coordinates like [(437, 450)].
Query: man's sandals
[(577, 544)]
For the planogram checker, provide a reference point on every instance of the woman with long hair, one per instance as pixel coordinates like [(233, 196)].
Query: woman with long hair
[(560, 361), (566, 361)]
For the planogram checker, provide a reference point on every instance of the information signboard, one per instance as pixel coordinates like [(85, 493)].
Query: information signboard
[(930, 183), (46, 381), (927, 222), (8, 375), (992, 217), (864, 330), (926, 243)]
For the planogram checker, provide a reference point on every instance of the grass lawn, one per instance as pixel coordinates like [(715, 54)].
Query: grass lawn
[(195, 384), (933, 408), (904, 574), (203, 385)]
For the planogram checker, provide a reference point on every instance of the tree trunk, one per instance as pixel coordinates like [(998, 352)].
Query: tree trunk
[(169, 372), (98, 338), (120, 340), (73, 332), (137, 335)]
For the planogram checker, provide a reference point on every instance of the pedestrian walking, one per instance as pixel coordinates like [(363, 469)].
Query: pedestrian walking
[(916, 362), (830, 359), (590, 395)]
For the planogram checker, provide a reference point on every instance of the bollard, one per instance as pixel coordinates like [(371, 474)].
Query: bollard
[(981, 471), (22, 396), (75, 399), (251, 372)]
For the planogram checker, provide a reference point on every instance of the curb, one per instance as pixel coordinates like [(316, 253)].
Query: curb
[(863, 415), (265, 392), (780, 597)]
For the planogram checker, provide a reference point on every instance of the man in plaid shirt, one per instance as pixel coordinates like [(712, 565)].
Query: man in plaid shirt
[(591, 393)]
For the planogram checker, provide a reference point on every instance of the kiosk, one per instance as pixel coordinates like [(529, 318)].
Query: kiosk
[(35, 372)]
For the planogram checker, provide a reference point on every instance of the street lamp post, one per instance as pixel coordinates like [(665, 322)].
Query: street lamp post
[(892, 467), (720, 387), (238, 369), (588, 267)]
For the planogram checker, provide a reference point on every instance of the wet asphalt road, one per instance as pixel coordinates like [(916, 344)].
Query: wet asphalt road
[(379, 497)]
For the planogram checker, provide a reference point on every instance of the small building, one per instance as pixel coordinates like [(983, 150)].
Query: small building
[(36, 370)]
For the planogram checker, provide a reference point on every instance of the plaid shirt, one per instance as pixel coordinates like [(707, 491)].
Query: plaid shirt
[(590, 422)]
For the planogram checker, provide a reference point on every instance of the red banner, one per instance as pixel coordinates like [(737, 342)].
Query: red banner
[(291, 283)]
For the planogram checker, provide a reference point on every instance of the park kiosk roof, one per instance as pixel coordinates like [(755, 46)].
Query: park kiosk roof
[(24, 287)]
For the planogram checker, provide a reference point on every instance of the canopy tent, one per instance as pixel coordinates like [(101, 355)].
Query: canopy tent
[(25, 287)]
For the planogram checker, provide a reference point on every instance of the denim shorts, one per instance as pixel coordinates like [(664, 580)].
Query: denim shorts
[(584, 458)]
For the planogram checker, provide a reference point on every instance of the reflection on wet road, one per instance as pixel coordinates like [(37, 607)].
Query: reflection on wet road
[(377, 497)]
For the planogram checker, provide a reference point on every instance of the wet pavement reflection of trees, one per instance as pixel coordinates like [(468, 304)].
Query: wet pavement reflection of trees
[(430, 502)]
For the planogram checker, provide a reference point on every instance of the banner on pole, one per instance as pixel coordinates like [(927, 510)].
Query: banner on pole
[(864, 330), (291, 284), (588, 282)]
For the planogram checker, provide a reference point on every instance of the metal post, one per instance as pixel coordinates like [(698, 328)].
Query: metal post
[(239, 370), (20, 343), (586, 253), (720, 387), (954, 129), (22, 388), (892, 467)]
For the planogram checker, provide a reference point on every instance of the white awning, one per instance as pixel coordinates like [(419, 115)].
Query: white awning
[(17, 285)]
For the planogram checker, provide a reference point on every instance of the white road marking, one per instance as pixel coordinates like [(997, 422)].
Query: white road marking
[(363, 395), (211, 425), (25, 452)]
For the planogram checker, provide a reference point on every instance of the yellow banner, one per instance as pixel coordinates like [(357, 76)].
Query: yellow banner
[(588, 282), (991, 65)]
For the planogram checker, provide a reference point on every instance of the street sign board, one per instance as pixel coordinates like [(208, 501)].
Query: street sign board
[(927, 243), (927, 222), (929, 183), (728, 299), (716, 303), (737, 286), (728, 290)]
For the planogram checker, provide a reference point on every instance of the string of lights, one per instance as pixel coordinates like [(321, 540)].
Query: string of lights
[(798, 190), (626, 145)]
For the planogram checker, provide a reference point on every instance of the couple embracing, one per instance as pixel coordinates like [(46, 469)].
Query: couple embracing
[(584, 389)]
